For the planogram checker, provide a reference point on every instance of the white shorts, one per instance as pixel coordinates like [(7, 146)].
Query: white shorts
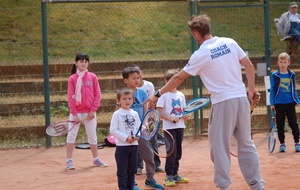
[(90, 128)]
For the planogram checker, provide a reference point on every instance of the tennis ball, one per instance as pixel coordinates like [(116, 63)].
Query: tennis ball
[(151, 127)]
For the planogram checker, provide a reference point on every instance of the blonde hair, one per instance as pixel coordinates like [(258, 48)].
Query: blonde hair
[(284, 55), (170, 73)]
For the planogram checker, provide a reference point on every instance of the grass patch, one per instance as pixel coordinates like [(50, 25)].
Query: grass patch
[(125, 31)]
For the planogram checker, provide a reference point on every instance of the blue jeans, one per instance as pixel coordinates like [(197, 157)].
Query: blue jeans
[(295, 31)]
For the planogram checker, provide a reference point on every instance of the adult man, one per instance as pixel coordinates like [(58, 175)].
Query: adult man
[(289, 23), (218, 62)]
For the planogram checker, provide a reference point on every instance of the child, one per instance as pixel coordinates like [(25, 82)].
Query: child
[(84, 96), (170, 106), (149, 88), (131, 77), (124, 123), (283, 98)]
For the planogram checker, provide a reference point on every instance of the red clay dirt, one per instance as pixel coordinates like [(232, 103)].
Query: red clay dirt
[(44, 169)]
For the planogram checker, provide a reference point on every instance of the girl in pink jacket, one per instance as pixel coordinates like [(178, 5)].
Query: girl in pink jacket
[(84, 96)]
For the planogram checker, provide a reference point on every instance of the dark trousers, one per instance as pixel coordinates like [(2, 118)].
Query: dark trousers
[(172, 162), (126, 159), (288, 110), (295, 31)]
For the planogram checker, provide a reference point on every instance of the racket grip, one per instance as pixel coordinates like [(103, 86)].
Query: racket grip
[(132, 137), (179, 118)]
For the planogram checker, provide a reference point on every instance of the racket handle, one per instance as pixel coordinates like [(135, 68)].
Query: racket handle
[(179, 118), (132, 137), (253, 105)]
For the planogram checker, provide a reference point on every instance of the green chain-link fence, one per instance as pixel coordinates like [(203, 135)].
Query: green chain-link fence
[(153, 35)]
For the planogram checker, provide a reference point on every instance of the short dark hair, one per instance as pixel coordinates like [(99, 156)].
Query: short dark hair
[(136, 66), (124, 91), (129, 70)]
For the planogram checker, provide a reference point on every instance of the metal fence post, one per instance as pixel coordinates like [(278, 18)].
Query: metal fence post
[(195, 78), (267, 48), (46, 69)]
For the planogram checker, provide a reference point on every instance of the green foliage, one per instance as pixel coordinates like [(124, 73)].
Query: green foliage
[(62, 110), (125, 30)]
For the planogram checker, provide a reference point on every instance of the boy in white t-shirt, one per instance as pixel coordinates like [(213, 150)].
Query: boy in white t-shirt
[(124, 123), (170, 107), (149, 88)]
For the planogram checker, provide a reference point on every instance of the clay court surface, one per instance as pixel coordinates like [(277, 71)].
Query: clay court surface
[(44, 169)]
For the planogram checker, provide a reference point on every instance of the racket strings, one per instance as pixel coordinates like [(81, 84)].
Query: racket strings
[(272, 139), (150, 125), (57, 129), (195, 104)]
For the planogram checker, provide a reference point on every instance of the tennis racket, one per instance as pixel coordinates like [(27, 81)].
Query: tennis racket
[(194, 105), (252, 107), (149, 125), (272, 134), (60, 128), (167, 144)]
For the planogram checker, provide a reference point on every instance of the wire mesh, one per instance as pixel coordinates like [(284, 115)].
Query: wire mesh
[(153, 35)]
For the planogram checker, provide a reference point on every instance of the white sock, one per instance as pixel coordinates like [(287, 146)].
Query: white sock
[(96, 158)]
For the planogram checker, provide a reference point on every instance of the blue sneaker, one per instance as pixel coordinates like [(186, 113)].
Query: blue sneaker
[(297, 147), (136, 186), (139, 171), (282, 148), (153, 185), (99, 163), (159, 169), (70, 165)]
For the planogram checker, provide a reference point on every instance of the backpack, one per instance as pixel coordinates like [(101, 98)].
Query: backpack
[(110, 140)]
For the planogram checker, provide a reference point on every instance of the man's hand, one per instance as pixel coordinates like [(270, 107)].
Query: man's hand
[(255, 101), (254, 96), (151, 100)]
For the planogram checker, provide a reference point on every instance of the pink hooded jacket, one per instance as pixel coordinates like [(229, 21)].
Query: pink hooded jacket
[(90, 93)]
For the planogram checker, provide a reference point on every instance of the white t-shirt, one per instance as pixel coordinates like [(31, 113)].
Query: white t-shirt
[(148, 87), (172, 104), (123, 122), (217, 61), (294, 17)]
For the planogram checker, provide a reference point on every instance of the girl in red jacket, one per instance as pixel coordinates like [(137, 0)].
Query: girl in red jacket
[(84, 96)]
